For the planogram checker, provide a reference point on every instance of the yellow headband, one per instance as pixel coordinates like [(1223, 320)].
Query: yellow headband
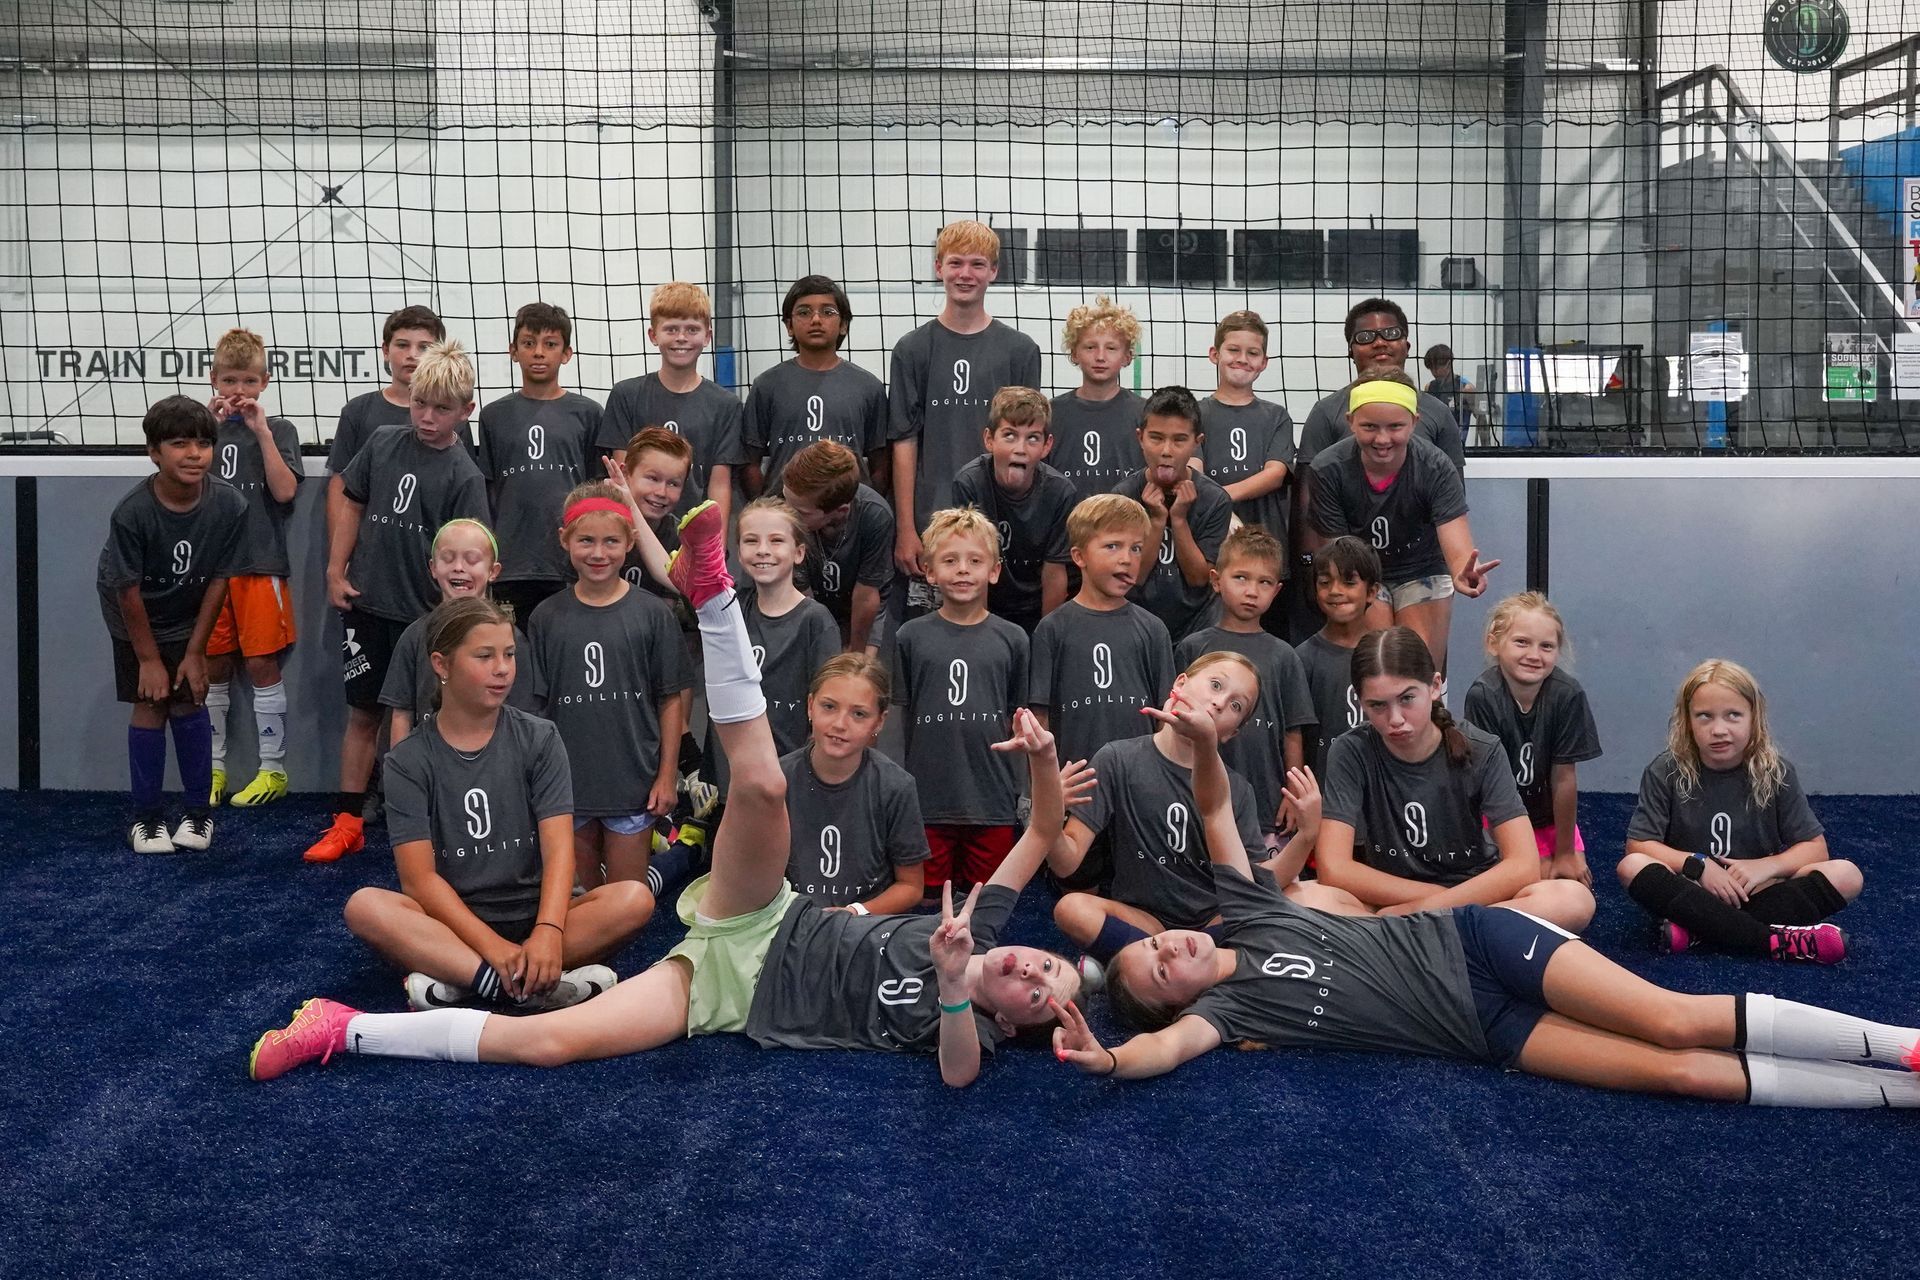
[(1383, 392)]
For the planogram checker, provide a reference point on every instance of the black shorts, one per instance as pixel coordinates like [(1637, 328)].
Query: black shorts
[(366, 653), (517, 930), (1507, 953), (126, 672)]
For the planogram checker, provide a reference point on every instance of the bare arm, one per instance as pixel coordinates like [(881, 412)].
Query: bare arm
[(1339, 869), (1519, 866), (420, 881), (865, 608), (1195, 568), (1261, 483), (401, 726), (1566, 807), (909, 887), (754, 480), (720, 489), (906, 537), (1469, 571), (343, 535), (1053, 587)]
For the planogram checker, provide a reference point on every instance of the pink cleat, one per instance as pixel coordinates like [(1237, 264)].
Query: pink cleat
[(317, 1032), (1814, 943), (698, 570), (1673, 939)]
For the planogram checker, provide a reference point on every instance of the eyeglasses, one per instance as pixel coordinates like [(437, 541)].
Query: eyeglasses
[(808, 313), (1366, 337)]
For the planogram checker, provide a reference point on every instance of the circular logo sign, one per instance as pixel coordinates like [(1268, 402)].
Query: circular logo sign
[(1806, 35)]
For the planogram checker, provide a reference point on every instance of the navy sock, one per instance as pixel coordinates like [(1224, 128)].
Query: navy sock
[(1114, 934), (193, 748), (486, 983), (668, 867), (147, 768)]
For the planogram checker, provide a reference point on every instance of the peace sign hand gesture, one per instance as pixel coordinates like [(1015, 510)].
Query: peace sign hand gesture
[(1074, 1042), (1471, 581), (952, 943)]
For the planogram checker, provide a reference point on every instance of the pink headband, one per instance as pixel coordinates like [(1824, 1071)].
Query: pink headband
[(587, 506)]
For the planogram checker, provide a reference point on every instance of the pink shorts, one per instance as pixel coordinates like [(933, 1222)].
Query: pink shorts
[(1543, 839)]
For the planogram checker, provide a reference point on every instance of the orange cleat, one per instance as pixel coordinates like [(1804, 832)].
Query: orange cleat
[(348, 834)]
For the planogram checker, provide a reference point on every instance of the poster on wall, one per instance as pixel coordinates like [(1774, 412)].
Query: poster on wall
[(1716, 367), (1910, 242), (1853, 366), (1906, 366)]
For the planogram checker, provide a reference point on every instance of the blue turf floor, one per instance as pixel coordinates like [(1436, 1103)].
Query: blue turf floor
[(132, 1143)]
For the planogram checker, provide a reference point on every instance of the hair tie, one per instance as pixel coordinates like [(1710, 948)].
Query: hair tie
[(1383, 391), (588, 506)]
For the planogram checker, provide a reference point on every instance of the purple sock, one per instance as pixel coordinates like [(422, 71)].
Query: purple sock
[(193, 748), (147, 767)]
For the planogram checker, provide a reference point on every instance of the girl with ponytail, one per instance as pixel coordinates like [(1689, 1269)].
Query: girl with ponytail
[(1420, 812)]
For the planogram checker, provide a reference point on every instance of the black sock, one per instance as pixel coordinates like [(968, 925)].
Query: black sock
[(668, 867), (1667, 896), (486, 983), (1806, 899), (349, 802)]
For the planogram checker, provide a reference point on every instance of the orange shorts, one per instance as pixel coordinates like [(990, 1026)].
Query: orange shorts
[(257, 618)]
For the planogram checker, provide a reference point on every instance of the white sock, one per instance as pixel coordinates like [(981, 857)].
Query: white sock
[(219, 705), (443, 1035), (270, 722), (1789, 1030), (733, 677), (1790, 1082)]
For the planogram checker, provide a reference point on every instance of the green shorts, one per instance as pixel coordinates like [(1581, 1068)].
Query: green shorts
[(726, 957)]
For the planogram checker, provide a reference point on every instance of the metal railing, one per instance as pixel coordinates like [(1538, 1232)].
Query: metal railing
[(1907, 95), (1709, 106)]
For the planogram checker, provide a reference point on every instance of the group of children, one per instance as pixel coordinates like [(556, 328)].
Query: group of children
[(533, 603)]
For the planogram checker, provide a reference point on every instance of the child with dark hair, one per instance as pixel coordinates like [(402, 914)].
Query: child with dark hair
[(1480, 984), (1248, 441), (534, 447), (1448, 387), (853, 536), (171, 543), (1027, 501), (675, 396), (1346, 578), (1421, 813), (816, 395), (1188, 514), (1723, 847)]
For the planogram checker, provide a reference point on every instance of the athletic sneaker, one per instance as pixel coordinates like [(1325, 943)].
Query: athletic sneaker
[(317, 1032), (1814, 943), (698, 570), (575, 986), (1093, 976), (1673, 939), (194, 834), (348, 834), (219, 786), (149, 835), (430, 993), (702, 795), (267, 786)]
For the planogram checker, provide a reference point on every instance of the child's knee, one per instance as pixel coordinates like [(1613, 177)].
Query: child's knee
[(1567, 903), (1845, 877), (367, 911), (263, 671), (633, 903), (757, 783), (1079, 916), (1630, 866)]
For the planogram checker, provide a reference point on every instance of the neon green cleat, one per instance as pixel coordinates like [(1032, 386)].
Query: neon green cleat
[(267, 786), (219, 787)]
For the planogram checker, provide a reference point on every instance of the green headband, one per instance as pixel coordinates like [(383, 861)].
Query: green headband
[(492, 542)]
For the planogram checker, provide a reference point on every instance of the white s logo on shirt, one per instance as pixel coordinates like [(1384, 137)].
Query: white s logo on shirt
[(1379, 537), (229, 461), (1415, 818), (596, 658), (536, 442), (816, 414), (1090, 448), (1102, 666), (1284, 964), (1524, 775), (479, 814), (1237, 444), (1720, 843), (1177, 827), (957, 682), (898, 991), (962, 376), (830, 851), (182, 556), (403, 493)]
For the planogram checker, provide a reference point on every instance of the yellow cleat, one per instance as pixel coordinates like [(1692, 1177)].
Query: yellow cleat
[(219, 787), (267, 786)]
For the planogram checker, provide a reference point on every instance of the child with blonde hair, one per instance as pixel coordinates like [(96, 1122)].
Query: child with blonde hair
[(1097, 422)]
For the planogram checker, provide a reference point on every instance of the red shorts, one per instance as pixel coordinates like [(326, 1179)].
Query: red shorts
[(966, 854), (256, 620)]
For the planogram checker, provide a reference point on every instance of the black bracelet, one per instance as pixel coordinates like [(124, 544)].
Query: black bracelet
[(1114, 1058), (550, 924)]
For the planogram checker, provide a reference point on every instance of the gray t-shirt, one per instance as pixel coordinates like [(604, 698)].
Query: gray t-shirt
[(1258, 751), (406, 492), (533, 452), (1164, 591), (172, 556), (600, 673), (482, 811), (707, 417), (1241, 440), (1336, 708), (238, 462), (1091, 672), (846, 838), (1096, 443), (1401, 521), (938, 391), (1720, 818), (1160, 861), (792, 407), (1310, 980), (410, 681), (1327, 422), (1559, 730), (366, 414), (834, 980), (1422, 821), (959, 687), (860, 553), (789, 649), (1033, 533)]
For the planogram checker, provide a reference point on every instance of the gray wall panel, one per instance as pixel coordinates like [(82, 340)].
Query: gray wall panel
[(9, 650)]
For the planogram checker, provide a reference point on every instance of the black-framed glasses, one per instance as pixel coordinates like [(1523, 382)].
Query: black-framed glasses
[(1366, 337), (808, 313)]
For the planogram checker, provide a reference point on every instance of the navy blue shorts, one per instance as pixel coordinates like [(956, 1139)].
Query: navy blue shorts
[(1507, 953)]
